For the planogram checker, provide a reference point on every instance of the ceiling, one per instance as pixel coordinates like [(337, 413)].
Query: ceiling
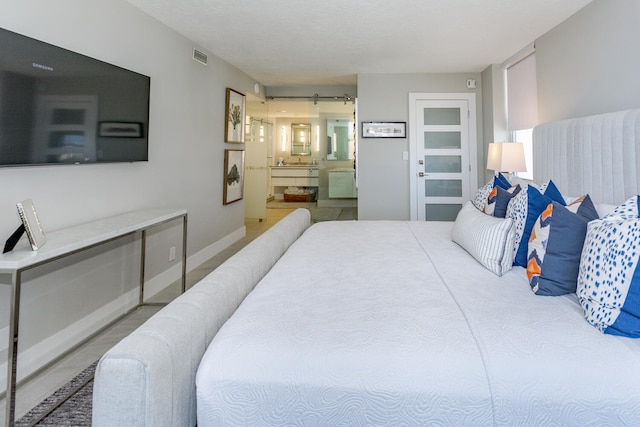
[(329, 42)]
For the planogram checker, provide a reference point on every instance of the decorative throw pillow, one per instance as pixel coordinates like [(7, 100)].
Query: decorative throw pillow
[(498, 182), (628, 209), (480, 199), (488, 239), (555, 246), (524, 209), (503, 197), (609, 278), (481, 195)]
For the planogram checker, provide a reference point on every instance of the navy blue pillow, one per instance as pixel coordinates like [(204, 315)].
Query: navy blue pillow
[(502, 200), (536, 203), (554, 271), (500, 181)]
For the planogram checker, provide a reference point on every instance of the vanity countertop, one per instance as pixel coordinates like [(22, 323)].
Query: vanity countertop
[(341, 170)]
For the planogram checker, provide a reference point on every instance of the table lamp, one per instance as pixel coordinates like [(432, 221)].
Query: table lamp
[(507, 157)]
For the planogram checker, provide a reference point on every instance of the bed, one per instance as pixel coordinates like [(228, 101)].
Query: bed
[(389, 323), (394, 323), (386, 323)]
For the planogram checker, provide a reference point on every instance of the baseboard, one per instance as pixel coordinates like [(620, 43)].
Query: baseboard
[(52, 347), (210, 251), (158, 283)]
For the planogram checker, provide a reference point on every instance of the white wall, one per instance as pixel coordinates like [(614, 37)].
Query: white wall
[(185, 165), (383, 176), (589, 64)]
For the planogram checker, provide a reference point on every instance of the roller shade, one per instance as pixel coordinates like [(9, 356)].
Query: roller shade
[(522, 94)]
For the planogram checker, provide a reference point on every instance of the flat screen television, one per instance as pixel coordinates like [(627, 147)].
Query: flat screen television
[(61, 107)]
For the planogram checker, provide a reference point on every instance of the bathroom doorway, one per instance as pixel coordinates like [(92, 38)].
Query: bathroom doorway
[(311, 147)]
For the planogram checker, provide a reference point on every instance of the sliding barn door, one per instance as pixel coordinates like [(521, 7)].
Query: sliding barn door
[(443, 169)]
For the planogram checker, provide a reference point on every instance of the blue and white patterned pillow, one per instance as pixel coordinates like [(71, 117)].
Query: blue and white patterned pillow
[(524, 209), (628, 209), (555, 246), (482, 195), (609, 277)]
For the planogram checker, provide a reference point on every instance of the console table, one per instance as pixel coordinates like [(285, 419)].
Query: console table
[(69, 241)]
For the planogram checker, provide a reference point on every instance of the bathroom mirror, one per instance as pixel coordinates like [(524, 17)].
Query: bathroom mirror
[(340, 142), (301, 139)]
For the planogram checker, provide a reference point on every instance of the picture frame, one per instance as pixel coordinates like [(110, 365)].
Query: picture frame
[(384, 129), (234, 117), (120, 130), (31, 223), (233, 180)]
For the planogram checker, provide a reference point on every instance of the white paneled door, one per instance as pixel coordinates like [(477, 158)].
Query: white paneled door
[(443, 140)]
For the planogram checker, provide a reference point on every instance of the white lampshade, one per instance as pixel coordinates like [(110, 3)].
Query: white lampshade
[(506, 157)]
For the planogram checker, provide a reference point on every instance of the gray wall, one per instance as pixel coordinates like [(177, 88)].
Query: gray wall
[(185, 165), (383, 176), (590, 64), (494, 115)]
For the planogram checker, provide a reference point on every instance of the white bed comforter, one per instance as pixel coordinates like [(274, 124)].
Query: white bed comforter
[(391, 323)]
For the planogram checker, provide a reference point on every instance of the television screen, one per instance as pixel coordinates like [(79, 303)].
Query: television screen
[(60, 107)]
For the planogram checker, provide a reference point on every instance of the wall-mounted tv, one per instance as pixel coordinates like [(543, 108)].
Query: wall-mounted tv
[(61, 107)]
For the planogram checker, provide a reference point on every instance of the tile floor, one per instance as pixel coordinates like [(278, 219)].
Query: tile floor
[(41, 385)]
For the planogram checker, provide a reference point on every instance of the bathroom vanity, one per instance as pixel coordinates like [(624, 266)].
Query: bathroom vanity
[(294, 176)]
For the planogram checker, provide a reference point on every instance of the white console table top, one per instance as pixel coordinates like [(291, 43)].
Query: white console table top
[(75, 238)]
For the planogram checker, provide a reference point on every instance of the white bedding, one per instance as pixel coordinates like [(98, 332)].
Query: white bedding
[(391, 323)]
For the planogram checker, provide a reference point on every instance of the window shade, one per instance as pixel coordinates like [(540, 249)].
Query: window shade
[(522, 95)]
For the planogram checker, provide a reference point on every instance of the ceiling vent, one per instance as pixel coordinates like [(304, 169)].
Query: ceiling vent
[(201, 57)]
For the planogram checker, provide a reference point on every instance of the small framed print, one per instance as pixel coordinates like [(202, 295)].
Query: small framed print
[(234, 124), (233, 176), (384, 129)]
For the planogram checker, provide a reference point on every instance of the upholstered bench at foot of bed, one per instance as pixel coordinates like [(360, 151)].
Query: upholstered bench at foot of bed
[(148, 379)]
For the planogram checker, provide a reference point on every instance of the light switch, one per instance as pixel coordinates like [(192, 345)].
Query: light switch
[(405, 155)]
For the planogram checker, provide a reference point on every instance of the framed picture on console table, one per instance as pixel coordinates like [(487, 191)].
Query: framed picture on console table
[(234, 123), (233, 176), (31, 223)]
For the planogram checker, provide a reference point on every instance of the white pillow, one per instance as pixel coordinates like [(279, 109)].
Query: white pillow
[(488, 239)]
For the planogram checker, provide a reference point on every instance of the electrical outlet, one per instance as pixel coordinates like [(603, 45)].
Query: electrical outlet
[(172, 253)]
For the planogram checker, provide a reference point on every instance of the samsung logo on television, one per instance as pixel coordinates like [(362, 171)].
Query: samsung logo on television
[(42, 67)]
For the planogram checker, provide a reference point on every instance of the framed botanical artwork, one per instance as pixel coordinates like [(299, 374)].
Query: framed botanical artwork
[(234, 124), (233, 176), (384, 129)]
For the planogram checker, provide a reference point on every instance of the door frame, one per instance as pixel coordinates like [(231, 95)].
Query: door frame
[(413, 142)]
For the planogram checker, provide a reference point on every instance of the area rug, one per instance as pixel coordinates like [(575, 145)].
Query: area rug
[(69, 406)]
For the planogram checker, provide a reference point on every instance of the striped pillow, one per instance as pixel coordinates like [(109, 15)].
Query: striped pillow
[(488, 239)]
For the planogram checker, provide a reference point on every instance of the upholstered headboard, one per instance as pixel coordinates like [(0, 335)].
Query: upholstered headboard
[(599, 155)]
